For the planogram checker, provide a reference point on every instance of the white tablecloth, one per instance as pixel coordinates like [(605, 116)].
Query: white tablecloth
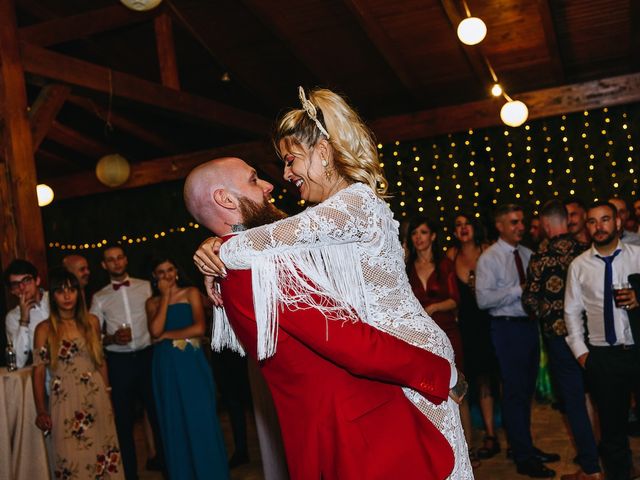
[(23, 455)]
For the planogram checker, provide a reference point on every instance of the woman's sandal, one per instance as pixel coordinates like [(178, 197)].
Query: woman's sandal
[(473, 458), (490, 447)]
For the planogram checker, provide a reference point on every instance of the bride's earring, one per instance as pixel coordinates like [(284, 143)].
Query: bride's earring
[(327, 171)]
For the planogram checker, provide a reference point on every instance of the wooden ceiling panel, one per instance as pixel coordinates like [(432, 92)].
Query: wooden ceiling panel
[(593, 33)]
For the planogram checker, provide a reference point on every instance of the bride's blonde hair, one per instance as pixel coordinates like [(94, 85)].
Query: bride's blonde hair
[(355, 155)]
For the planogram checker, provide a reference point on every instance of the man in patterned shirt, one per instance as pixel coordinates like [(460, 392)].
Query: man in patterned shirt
[(543, 298)]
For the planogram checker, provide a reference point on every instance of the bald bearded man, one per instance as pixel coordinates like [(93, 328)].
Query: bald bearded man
[(337, 386)]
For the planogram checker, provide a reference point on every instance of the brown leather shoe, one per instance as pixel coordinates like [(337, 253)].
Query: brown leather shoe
[(580, 475)]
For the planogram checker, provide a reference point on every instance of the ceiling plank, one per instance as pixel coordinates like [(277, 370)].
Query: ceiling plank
[(60, 30), (45, 110), (20, 216), (78, 142), (166, 51), (123, 123), (385, 46), (552, 40), (63, 68), (548, 102), (473, 53), (634, 28), (167, 169)]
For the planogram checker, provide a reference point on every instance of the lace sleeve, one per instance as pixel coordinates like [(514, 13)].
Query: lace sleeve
[(347, 217)]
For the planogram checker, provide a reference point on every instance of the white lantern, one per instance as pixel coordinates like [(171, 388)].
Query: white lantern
[(45, 194), (113, 170), (514, 113), (141, 5), (472, 31)]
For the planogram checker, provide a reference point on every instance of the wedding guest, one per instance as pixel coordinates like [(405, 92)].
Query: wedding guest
[(577, 220), (79, 415), (627, 236)]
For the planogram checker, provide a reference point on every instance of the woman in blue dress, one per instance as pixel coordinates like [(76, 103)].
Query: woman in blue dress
[(182, 382)]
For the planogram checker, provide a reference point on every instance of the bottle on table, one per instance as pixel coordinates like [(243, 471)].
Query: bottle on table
[(10, 357)]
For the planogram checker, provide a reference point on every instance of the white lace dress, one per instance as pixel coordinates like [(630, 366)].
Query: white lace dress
[(348, 248)]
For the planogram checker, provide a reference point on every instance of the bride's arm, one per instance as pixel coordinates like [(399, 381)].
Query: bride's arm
[(344, 218)]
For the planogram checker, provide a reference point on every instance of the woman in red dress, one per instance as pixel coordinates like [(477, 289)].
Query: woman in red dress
[(433, 280)]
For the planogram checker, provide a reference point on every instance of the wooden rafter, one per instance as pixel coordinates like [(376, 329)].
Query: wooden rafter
[(551, 38), (167, 169), (166, 51), (486, 113), (73, 71), (385, 46), (473, 53), (123, 123), (60, 30), (78, 142), (44, 111), (634, 20)]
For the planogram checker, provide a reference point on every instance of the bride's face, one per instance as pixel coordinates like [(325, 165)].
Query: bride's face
[(306, 169)]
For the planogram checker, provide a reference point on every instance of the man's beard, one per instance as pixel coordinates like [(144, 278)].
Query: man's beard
[(255, 214), (608, 239)]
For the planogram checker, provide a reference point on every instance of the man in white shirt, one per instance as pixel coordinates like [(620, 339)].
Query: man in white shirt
[(22, 280), (500, 278), (610, 355), (120, 308)]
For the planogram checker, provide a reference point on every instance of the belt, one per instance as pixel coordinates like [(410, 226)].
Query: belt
[(612, 347), (512, 319)]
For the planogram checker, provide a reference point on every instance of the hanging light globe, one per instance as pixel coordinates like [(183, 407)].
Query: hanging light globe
[(472, 31), (45, 194), (141, 5), (113, 170), (514, 113)]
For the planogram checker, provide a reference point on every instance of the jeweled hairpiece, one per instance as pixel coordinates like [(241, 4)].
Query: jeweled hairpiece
[(311, 110)]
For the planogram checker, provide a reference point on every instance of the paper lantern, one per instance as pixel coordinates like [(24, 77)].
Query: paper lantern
[(141, 5), (113, 170), (514, 113), (45, 194), (472, 31)]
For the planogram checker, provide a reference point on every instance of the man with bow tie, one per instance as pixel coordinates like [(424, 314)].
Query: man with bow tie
[(120, 308)]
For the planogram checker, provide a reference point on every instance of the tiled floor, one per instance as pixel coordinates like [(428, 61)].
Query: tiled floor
[(549, 434)]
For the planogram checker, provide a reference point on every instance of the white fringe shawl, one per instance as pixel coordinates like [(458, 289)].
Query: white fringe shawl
[(328, 278)]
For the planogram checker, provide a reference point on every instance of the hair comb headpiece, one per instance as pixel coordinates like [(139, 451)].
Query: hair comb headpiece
[(312, 111)]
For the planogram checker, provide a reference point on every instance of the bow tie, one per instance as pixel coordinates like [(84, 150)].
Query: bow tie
[(116, 286)]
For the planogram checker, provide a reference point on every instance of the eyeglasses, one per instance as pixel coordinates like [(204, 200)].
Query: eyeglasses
[(24, 281)]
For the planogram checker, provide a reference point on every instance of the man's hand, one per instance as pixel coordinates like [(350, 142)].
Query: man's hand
[(626, 298), (43, 421), (26, 304), (211, 285), (458, 392), (582, 359), (207, 258), (122, 336)]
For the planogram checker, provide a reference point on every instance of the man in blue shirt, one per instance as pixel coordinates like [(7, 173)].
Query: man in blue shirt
[(500, 278)]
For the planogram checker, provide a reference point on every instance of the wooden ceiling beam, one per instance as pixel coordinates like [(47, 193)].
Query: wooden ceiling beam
[(168, 169), (45, 110), (60, 30), (132, 128), (166, 51), (63, 68), (473, 53), (548, 102), (20, 217), (78, 142), (385, 46), (552, 40), (634, 28)]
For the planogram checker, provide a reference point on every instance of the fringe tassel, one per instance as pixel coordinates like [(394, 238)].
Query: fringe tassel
[(327, 278), (222, 335)]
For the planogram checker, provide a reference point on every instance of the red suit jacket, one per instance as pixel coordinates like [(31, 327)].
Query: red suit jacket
[(336, 389)]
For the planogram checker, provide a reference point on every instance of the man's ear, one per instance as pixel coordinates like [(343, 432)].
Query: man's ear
[(223, 198), (38, 281)]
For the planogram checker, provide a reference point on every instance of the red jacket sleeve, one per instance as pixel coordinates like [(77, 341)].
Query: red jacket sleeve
[(368, 352)]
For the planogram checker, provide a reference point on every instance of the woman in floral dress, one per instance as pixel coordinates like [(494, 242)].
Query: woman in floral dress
[(79, 416)]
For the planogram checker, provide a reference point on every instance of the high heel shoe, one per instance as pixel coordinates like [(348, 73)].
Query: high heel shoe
[(490, 447)]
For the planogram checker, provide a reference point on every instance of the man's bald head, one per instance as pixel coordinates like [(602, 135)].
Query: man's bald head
[(79, 266), (215, 190)]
